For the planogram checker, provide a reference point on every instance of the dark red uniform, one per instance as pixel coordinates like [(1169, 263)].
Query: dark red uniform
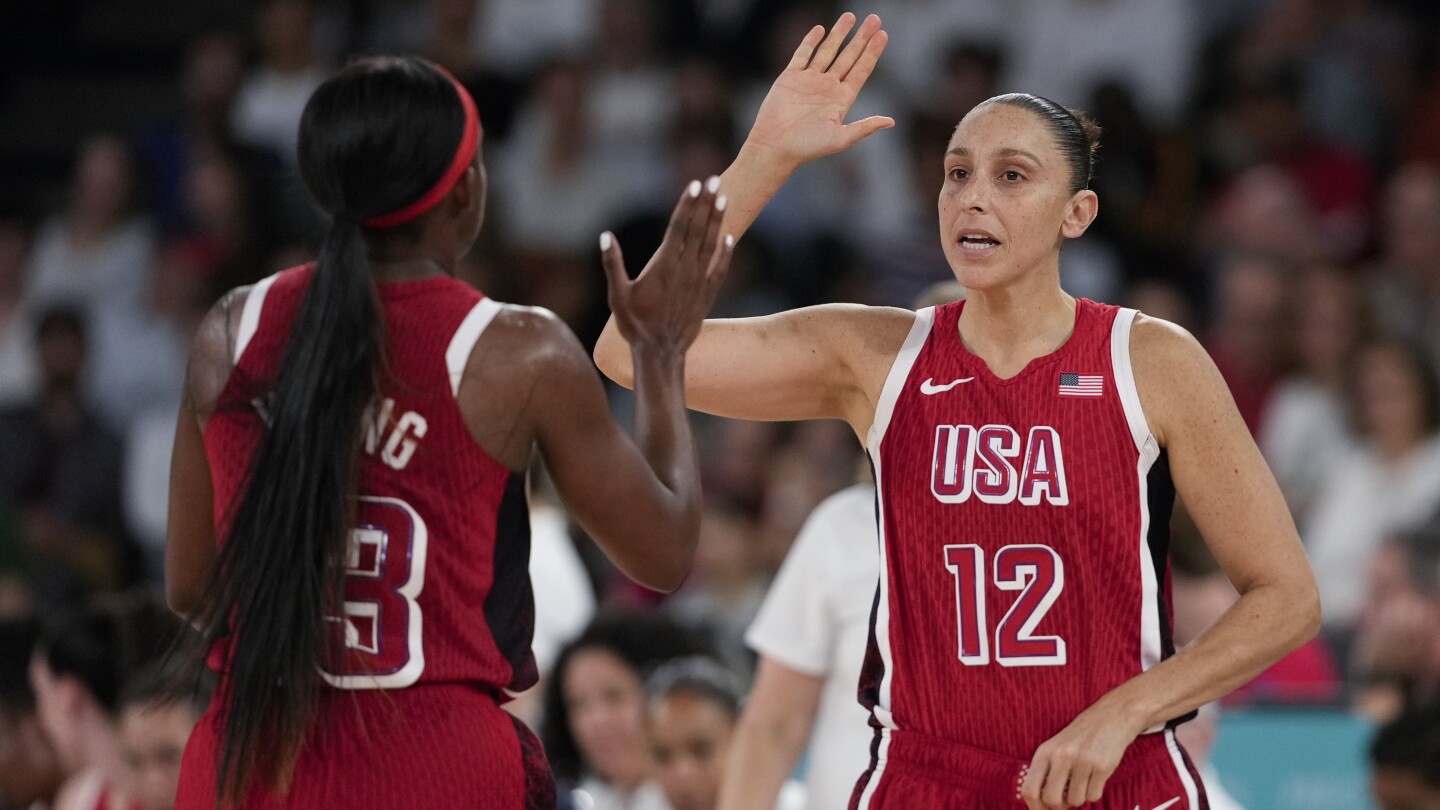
[(1024, 525), (438, 609)]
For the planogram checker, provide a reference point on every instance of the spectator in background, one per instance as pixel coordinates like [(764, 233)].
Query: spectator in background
[(1266, 126), (62, 467), (1389, 482), (631, 94), (209, 81), (268, 105), (17, 363), (694, 704), (1407, 288), (594, 725), (1396, 659), (518, 37), (810, 635), (82, 662), (1247, 336), (96, 254), (154, 727), (1303, 431), (1264, 212), (30, 773), (1405, 762)]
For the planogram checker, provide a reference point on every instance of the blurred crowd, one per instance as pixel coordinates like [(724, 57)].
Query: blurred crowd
[(1269, 179)]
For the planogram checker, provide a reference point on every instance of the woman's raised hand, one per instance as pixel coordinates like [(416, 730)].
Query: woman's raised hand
[(664, 306), (803, 116)]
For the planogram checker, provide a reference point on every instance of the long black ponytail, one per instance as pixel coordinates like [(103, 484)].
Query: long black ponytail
[(373, 138)]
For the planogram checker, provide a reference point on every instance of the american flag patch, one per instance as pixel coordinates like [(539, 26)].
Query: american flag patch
[(1082, 385)]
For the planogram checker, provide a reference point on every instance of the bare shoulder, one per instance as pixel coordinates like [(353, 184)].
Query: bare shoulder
[(526, 339), (212, 353), (1177, 380)]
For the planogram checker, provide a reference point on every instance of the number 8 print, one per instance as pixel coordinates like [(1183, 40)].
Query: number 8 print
[(378, 639), (1034, 570)]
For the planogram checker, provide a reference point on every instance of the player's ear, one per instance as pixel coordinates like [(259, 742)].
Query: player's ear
[(1082, 209)]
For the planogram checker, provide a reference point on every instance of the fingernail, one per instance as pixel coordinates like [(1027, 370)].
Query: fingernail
[(720, 203), (694, 188), (713, 184), (729, 241), (605, 241)]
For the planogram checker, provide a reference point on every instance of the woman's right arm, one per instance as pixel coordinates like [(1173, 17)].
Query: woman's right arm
[(808, 363)]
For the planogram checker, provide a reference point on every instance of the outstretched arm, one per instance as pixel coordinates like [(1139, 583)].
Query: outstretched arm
[(770, 735), (1236, 504), (822, 362), (803, 116), (640, 501)]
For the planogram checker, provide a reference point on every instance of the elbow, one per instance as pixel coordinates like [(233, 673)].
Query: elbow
[(1310, 611), (183, 599)]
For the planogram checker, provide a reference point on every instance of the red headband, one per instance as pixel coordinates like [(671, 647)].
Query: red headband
[(469, 141)]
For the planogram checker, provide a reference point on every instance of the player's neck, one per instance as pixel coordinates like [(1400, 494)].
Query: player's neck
[(1008, 327)]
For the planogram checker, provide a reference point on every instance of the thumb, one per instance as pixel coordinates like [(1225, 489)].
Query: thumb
[(858, 131)]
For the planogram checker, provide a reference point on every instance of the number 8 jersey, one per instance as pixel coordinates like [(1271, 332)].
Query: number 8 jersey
[(437, 585), (1024, 528)]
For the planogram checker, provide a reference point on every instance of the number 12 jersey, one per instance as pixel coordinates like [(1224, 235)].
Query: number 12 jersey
[(1024, 527)]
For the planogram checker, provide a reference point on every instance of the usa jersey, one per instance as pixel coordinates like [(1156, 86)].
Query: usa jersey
[(1024, 530), (437, 584)]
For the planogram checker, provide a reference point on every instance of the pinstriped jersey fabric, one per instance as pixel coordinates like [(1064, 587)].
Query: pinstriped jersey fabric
[(1023, 539), (438, 589)]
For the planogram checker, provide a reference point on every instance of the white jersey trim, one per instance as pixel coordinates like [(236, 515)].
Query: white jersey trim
[(250, 315), (457, 356), (1192, 794), (881, 754), (899, 373), (894, 384), (1125, 377), (1150, 647)]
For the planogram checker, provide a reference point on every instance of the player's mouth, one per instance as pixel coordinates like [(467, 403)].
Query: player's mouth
[(977, 243)]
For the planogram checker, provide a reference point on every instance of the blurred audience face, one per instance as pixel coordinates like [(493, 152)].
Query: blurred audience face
[(58, 702), (1266, 212), (1331, 321), (212, 74), (14, 249), (60, 346), (691, 735), (605, 699), (152, 739), (1390, 399), (1412, 223), (1162, 299), (104, 184), (287, 32), (1252, 313)]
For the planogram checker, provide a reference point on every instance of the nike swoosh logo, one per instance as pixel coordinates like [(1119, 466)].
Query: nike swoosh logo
[(1162, 806), (929, 387)]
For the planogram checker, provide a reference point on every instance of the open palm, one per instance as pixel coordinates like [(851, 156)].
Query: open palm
[(803, 115)]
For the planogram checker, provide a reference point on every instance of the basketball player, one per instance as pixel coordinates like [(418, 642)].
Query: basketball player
[(361, 426), (1027, 447)]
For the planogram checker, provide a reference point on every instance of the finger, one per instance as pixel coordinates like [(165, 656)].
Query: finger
[(616, 278), (711, 237), (1052, 796), (1030, 789), (720, 268), (1096, 790), (852, 51), (1079, 786), (864, 128), (695, 224), (825, 54), (806, 49), (680, 217), (860, 72)]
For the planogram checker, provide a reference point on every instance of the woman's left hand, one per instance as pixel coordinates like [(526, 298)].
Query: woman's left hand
[(1072, 767)]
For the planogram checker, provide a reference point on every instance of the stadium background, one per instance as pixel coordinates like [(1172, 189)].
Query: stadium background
[(1269, 178)]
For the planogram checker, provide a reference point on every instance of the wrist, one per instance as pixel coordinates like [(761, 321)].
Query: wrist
[(766, 159), (658, 354)]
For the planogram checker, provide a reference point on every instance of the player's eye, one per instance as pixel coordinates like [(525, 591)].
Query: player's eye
[(1013, 176), (957, 174)]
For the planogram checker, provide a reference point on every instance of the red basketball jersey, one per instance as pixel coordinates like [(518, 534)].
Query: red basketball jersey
[(1024, 525), (437, 587)]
